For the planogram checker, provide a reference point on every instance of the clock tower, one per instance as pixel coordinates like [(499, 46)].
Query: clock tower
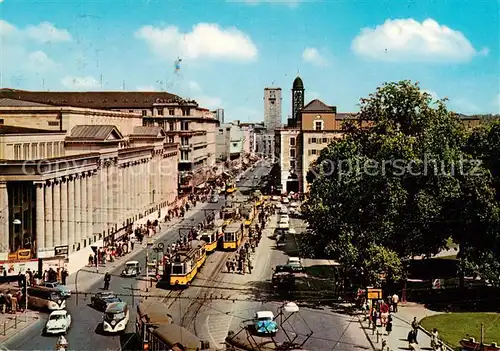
[(297, 100)]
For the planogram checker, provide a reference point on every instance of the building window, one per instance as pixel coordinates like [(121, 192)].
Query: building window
[(325, 140), (144, 113), (312, 141), (42, 150), (17, 152), (313, 151), (292, 153), (34, 153), (160, 112), (171, 111), (1, 120), (292, 164), (53, 123), (184, 125), (171, 126), (184, 155), (131, 111), (221, 131), (184, 141), (318, 125), (292, 141), (26, 151)]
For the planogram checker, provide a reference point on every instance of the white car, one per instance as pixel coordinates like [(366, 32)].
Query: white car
[(58, 322), (294, 205), (275, 198), (284, 217), (285, 200)]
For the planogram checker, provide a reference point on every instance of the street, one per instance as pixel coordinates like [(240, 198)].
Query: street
[(83, 333)]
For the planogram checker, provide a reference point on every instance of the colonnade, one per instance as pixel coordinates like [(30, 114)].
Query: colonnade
[(64, 211)]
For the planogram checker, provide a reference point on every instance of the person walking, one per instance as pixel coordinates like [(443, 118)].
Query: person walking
[(388, 325), (415, 325), (107, 280), (395, 301)]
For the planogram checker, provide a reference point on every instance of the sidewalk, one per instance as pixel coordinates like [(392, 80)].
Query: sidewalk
[(401, 325), (93, 278)]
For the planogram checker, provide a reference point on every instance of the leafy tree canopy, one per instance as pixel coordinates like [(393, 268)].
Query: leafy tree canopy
[(401, 182)]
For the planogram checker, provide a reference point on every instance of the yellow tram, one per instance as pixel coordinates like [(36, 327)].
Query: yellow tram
[(175, 337), (150, 316), (233, 236), (185, 265), (212, 236)]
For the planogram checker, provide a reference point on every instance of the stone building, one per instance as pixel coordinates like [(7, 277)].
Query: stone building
[(80, 182), (272, 109), (229, 141), (183, 121)]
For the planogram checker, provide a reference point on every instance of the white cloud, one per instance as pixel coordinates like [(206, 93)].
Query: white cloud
[(87, 82), (6, 28), (39, 61), (204, 41), (46, 32), (409, 40), (145, 88), (313, 56)]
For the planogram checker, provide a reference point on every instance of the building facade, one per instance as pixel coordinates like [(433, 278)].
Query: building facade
[(229, 141), (86, 194), (219, 115), (183, 121), (272, 108)]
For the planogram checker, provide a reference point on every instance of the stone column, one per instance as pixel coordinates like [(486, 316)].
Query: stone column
[(116, 195), (96, 203), (109, 192), (157, 175), (71, 211), (64, 211), (78, 211), (56, 215), (83, 208), (104, 198), (4, 203), (40, 216), (90, 206), (121, 196), (49, 237), (135, 204)]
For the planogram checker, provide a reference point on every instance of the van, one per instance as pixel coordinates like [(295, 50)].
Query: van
[(295, 264)]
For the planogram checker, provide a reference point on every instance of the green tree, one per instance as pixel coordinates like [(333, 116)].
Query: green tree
[(394, 182)]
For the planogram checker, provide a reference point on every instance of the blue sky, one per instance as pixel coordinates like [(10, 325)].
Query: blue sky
[(231, 50)]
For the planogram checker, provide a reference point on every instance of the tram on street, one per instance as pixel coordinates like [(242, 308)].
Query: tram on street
[(233, 236), (150, 316), (212, 236), (182, 270), (175, 337)]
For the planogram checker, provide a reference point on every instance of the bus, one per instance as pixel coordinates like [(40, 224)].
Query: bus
[(174, 337), (233, 236), (46, 298), (116, 317), (150, 316)]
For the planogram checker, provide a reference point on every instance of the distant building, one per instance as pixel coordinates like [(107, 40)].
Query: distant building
[(251, 133), (219, 115), (229, 141), (272, 108)]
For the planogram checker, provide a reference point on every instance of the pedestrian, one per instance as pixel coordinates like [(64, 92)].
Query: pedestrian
[(415, 325), (395, 301), (388, 326), (107, 279), (64, 275), (132, 245), (228, 266)]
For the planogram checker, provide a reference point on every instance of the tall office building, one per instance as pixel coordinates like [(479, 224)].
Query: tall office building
[(219, 115), (272, 108)]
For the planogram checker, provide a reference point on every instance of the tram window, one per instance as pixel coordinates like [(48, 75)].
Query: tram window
[(177, 269), (229, 236)]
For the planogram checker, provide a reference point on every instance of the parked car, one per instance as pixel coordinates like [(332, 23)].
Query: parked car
[(265, 324), (101, 300), (65, 292), (295, 264), (58, 323)]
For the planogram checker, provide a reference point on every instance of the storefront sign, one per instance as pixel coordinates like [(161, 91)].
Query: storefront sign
[(61, 250), (13, 268), (45, 252), (374, 294)]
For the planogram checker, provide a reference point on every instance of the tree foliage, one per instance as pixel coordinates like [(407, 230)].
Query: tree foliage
[(401, 181)]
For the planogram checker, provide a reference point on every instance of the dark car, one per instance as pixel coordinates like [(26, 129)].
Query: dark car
[(283, 277), (101, 300)]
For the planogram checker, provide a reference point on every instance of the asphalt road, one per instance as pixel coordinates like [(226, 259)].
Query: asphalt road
[(84, 332)]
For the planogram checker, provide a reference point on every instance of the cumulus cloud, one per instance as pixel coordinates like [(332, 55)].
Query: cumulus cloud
[(409, 40), (194, 86), (145, 88), (210, 102), (87, 82), (313, 56), (46, 32), (40, 61), (205, 40)]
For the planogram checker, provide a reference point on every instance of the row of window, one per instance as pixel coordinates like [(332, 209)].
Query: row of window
[(320, 140), (37, 151), (313, 152), (161, 112)]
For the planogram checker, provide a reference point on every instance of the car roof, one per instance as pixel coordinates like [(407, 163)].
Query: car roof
[(293, 259), (265, 314), (132, 262), (116, 307)]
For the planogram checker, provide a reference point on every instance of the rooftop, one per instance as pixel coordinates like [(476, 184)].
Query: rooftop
[(92, 99), (7, 102), (5, 130), (317, 105), (94, 133)]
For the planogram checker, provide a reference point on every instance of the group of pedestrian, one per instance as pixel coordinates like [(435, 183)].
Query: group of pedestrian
[(10, 302)]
